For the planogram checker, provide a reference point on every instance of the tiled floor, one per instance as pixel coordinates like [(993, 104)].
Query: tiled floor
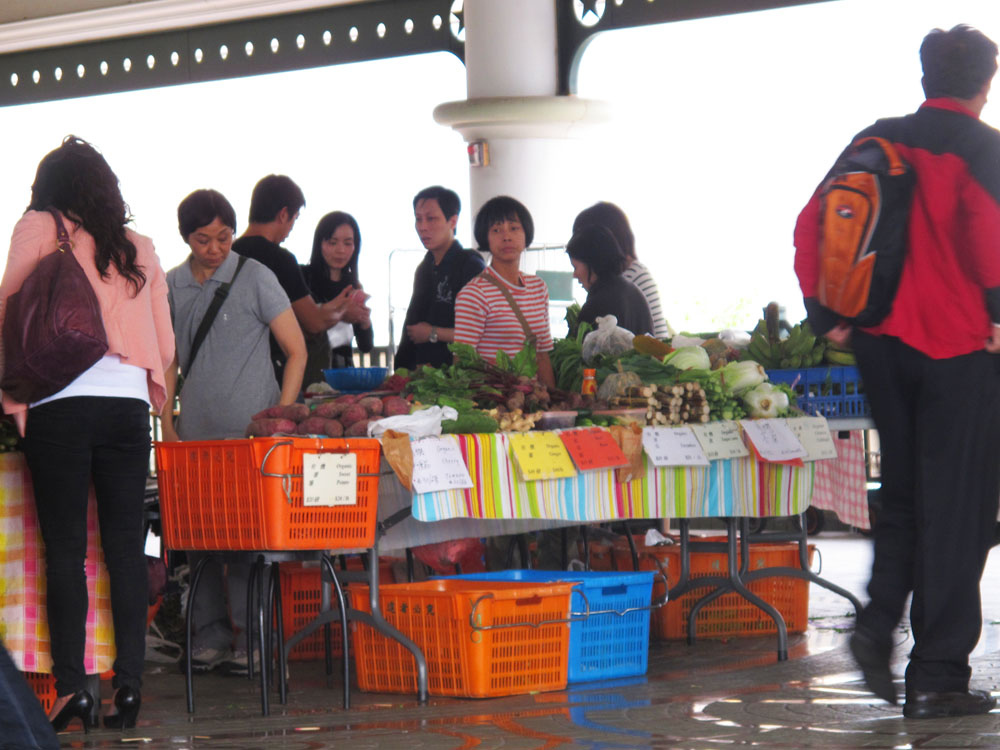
[(713, 694)]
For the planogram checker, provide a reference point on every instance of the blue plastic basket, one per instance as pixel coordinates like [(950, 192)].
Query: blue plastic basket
[(356, 379), (602, 644), (831, 392)]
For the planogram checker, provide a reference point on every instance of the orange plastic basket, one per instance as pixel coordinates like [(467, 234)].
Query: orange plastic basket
[(44, 686), (247, 495), (301, 598), (730, 615), (514, 653)]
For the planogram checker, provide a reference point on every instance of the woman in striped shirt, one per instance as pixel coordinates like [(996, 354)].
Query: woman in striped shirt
[(485, 317), (611, 217)]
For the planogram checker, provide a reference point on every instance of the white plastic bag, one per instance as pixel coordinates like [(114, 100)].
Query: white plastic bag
[(607, 338), (423, 423)]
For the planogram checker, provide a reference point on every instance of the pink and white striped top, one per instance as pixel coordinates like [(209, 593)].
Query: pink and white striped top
[(485, 320)]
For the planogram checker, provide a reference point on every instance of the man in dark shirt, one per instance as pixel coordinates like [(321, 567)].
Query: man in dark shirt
[(430, 318), (274, 207)]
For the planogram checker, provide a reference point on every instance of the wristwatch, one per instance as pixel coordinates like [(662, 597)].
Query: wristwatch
[(434, 335)]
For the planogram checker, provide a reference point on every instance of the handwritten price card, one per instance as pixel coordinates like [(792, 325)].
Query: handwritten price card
[(541, 455), (329, 479), (593, 448), (673, 446), (720, 440), (814, 434), (438, 465), (773, 440)]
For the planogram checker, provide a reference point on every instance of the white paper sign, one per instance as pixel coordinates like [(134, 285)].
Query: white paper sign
[(438, 465), (773, 439), (814, 434), (720, 440), (329, 479), (672, 446)]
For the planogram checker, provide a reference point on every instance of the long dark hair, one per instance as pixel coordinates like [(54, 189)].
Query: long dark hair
[(319, 272), (77, 180)]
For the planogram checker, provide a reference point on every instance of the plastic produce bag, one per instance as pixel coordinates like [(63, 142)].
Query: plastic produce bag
[(422, 423), (607, 339)]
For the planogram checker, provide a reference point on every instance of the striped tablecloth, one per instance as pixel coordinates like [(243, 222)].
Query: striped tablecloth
[(23, 625), (737, 487)]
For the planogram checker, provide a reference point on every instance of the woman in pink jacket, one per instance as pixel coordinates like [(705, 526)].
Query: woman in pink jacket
[(97, 428)]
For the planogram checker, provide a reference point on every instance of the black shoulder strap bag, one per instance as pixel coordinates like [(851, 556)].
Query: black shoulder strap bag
[(206, 323)]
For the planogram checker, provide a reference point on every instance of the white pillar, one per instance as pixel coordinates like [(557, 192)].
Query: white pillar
[(532, 135)]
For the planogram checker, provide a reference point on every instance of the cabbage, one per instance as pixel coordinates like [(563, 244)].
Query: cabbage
[(765, 401), (741, 376), (688, 358)]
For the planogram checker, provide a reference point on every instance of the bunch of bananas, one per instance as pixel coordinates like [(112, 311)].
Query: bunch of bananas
[(800, 348), (839, 355)]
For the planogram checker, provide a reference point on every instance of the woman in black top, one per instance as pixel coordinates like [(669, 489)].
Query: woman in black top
[(332, 268), (598, 262)]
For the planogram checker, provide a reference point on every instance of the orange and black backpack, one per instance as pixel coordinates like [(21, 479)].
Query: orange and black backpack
[(864, 213)]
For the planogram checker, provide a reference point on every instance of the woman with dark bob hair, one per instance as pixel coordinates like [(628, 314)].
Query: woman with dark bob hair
[(333, 267), (598, 263), (228, 380), (612, 218), (503, 309), (95, 430)]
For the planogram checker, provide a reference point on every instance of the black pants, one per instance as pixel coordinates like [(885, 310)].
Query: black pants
[(69, 443), (939, 430)]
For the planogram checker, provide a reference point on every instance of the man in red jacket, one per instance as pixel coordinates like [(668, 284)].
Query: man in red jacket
[(933, 382)]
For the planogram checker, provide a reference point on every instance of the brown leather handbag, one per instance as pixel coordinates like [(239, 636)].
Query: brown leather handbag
[(52, 330)]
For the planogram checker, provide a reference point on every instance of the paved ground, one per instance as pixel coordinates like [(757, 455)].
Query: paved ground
[(713, 694)]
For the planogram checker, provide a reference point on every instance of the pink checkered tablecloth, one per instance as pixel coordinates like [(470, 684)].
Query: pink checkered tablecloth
[(842, 485), (23, 624)]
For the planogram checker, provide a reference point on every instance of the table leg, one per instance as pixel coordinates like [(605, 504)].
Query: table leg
[(265, 706), (189, 620), (344, 641)]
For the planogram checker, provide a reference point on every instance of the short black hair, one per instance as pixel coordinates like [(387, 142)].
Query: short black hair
[(496, 210), (201, 208), (597, 247), (273, 193), (448, 200), (610, 216), (957, 63)]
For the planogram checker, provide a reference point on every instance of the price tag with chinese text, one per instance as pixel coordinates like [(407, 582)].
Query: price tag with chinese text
[(720, 440), (814, 434), (438, 465), (541, 455), (329, 479), (593, 448), (673, 446), (773, 440)]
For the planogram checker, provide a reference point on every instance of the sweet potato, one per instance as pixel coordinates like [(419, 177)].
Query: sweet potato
[(372, 405), (347, 398), (329, 409), (320, 426), (353, 413), (394, 405), (358, 429), (294, 412), (269, 426)]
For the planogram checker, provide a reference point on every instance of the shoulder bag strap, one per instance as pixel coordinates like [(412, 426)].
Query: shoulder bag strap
[(530, 336), (62, 236), (213, 309)]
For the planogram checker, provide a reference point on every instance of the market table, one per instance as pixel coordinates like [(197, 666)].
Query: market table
[(23, 619)]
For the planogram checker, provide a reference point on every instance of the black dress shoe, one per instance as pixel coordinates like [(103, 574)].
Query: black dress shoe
[(78, 707), (872, 655), (925, 704), (127, 702)]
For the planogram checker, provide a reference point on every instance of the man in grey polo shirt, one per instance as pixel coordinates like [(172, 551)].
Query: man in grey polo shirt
[(229, 380)]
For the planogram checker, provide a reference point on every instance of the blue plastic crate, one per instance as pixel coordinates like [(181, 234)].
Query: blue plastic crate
[(601, 646), (356, 379), (831, 392)]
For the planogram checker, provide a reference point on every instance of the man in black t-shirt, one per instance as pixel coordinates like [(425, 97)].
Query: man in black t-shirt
[(274, 207), (445, 269)]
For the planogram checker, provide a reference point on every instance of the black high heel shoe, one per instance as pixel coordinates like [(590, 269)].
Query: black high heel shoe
[(77, 707), (127, 701)]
